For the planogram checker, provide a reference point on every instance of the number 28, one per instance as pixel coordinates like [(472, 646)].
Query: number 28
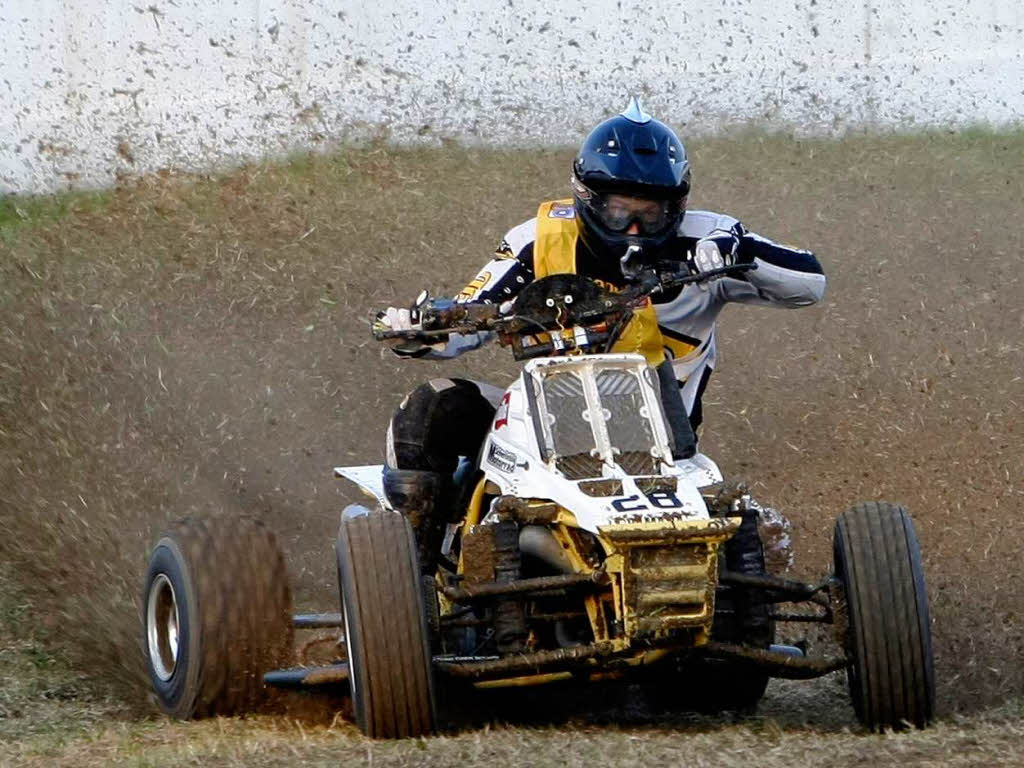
[(658, 500)]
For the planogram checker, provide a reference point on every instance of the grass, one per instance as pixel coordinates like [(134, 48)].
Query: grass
[(49, 716), (84, 737), (45, 704), (18, 212)]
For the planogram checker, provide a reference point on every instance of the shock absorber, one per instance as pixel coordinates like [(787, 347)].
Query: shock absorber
[(509, 616)]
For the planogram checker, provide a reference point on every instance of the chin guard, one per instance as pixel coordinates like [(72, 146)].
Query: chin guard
[(631, 262)]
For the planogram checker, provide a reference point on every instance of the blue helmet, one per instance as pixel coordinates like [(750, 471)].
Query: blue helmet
[(631, 170)]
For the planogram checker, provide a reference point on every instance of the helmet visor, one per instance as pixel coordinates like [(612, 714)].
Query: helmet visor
[(618, 212)]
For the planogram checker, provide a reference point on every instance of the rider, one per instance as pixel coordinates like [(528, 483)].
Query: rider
[(630, 183)]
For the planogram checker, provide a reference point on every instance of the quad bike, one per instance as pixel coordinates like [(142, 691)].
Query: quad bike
[(578, 549)]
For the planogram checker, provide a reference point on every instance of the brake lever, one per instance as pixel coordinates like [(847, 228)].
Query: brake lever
[(681, 278)]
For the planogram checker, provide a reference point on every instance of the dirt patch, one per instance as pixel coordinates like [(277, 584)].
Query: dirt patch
[(200, 346)]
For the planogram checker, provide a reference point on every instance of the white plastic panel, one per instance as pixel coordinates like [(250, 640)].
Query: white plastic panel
[(369, 478)]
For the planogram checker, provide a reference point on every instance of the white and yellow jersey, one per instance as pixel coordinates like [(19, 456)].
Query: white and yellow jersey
[(686, 319)]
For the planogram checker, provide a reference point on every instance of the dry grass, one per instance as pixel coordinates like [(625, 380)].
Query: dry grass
[(262, 742), (49, 716), (992, 739), (200, 345)]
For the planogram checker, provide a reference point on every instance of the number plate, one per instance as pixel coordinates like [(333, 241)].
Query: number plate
[(651, 506)]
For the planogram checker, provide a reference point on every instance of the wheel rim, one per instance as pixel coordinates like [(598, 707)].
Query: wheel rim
[(352, 682), (162, 627)]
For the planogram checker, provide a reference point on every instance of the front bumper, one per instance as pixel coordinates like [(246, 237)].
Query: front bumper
[(663, 576)]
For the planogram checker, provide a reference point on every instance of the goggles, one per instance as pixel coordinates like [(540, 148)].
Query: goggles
[(618, 212)]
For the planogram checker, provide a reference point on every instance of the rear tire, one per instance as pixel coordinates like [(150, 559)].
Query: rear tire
[(878, 562), (217, 615), (385, 626)]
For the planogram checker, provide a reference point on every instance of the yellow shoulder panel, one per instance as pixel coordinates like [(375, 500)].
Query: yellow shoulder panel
[(554, 250)]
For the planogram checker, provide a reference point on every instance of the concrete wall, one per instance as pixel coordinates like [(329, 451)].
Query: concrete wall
[(93, 89)]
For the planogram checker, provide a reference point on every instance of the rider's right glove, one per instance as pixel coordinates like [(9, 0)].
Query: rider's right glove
[(407, 319), (716, 250)]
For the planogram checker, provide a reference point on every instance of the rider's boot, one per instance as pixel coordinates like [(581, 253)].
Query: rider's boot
[(422, 497)]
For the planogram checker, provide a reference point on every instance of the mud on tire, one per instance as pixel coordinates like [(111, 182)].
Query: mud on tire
[(878, 562), (385, 626), (216, 615)]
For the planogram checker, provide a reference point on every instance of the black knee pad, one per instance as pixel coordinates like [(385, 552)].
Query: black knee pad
[(412, 490), (438, 422)]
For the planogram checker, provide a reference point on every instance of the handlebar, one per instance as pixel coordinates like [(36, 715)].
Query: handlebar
[(669, 279), (551, 304)]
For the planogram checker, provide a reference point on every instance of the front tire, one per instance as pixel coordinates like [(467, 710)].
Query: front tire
[(386, 632), (878, 562), (216, 614)]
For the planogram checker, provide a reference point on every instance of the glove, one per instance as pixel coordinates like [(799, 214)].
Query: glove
[(402, 319), (398, 318), (709, 255), (715, 251)]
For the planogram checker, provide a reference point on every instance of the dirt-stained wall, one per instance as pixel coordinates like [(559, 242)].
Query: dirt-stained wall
[(94, 89)]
